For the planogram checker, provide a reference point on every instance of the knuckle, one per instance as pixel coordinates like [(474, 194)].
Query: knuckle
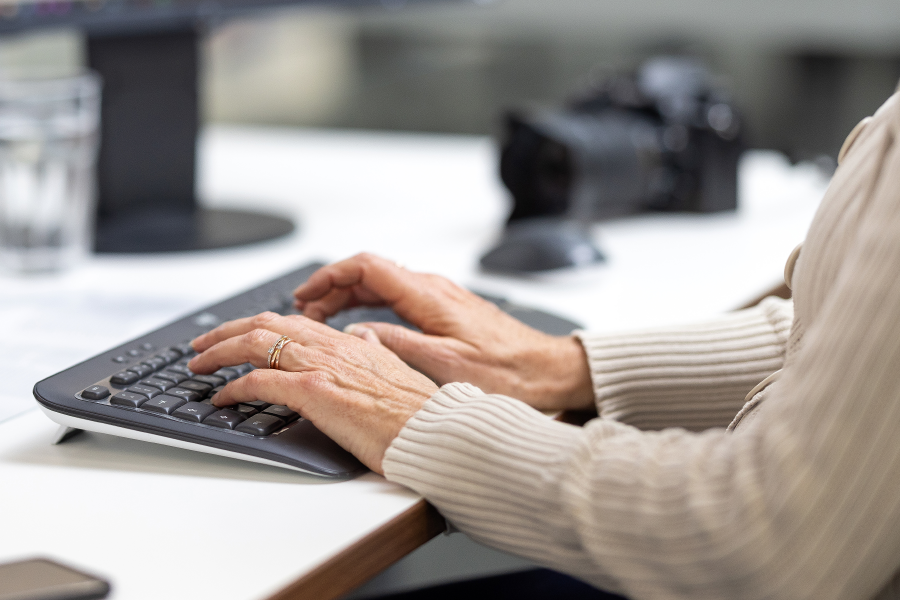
[(366, 258), (256, 337), (253, 379), (264, 318), (313, 381)]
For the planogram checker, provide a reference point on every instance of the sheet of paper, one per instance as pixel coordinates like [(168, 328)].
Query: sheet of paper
[(43, 333)]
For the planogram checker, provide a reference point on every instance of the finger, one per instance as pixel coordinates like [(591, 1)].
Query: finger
[(268, 385), (251, 347), (435, 356), (361, 331), (337, 300), (331, 303), (229, 329), (379, 276), (295, 326)]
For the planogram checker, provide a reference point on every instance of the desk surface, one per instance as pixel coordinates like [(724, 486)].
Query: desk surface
[(162, 522)]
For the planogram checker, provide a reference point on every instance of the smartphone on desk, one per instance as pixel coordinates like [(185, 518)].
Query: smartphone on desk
[(45, 579)]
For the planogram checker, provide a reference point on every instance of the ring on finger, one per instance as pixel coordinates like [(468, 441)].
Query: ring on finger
[(275, 351)]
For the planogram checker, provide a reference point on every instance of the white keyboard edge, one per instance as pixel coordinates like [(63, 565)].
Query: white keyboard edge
[(87, 425)]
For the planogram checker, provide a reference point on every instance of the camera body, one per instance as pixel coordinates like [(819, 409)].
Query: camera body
[(662, 139)]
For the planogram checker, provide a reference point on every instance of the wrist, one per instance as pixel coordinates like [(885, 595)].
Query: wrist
[(565, 377), (576, 388)]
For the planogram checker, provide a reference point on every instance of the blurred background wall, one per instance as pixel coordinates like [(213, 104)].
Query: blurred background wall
[(803, 71)]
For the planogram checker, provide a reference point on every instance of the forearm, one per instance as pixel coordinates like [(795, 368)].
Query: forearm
[(695, 376), (669, 514), (625, 510)]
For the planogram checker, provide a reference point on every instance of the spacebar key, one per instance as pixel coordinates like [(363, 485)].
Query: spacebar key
[(260, 425)]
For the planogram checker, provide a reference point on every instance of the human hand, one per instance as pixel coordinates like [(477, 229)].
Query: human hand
[(464, 337), (358, 394)]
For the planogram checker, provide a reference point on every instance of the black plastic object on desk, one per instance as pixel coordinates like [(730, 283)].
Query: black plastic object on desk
[(144, 390)]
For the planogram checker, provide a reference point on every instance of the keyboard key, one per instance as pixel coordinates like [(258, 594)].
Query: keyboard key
[(95, 392), (157, 382), (216, 390), (172, 376), (189, 395), (124, 378), (194, 411), (144, 390), (155, 362), (179, 368), (227, 374), (163, 404), (121, 359), (243, 369), (258, 405), (147, 346), (142, 369), (169, 356), (225, 418), (212, 380), (134, 353), (197, 386), (247, 411), (185, 348), (128, 399), (282, 412), (261, 425)]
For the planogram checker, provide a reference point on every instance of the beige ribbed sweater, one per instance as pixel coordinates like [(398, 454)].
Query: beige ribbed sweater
[(656, 499)]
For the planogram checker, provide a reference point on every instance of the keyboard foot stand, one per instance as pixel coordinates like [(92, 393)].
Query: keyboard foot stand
[(65, 433)]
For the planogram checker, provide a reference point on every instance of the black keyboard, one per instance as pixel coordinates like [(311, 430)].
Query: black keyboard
[(144, 390)]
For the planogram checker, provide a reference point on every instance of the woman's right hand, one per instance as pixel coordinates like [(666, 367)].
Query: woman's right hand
[(464, 337)]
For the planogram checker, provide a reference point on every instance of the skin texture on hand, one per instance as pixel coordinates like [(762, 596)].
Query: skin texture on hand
[(464, 337), (357, 393)]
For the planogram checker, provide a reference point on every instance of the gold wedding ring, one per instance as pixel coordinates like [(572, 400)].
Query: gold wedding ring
[(275, 351)]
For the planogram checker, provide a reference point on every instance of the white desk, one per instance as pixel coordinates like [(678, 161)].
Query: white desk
[(167, 523)]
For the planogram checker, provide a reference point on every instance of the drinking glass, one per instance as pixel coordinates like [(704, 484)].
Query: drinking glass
[(49, 132)]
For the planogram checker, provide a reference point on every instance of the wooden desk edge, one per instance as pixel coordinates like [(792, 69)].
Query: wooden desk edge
[(369, 556)]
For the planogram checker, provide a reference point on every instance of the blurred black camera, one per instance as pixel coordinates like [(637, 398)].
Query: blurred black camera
[(665, 138)]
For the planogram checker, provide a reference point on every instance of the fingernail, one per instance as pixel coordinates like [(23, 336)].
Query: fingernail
[(351, 328)]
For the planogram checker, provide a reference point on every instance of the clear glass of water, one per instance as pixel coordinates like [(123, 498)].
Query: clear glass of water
[(49, 135)]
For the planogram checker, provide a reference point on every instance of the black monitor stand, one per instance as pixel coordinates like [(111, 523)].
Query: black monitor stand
[(146, 167)]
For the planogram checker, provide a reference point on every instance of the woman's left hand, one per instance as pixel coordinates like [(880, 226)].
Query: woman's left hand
[(360, 394)]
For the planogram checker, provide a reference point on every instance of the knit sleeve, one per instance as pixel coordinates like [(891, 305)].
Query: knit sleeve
[(694, 376), (801, 503)]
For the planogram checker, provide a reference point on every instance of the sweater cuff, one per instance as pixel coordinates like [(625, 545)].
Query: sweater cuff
[(694, 376)]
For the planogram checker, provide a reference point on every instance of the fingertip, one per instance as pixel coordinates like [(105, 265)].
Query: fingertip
[(196, 343)]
